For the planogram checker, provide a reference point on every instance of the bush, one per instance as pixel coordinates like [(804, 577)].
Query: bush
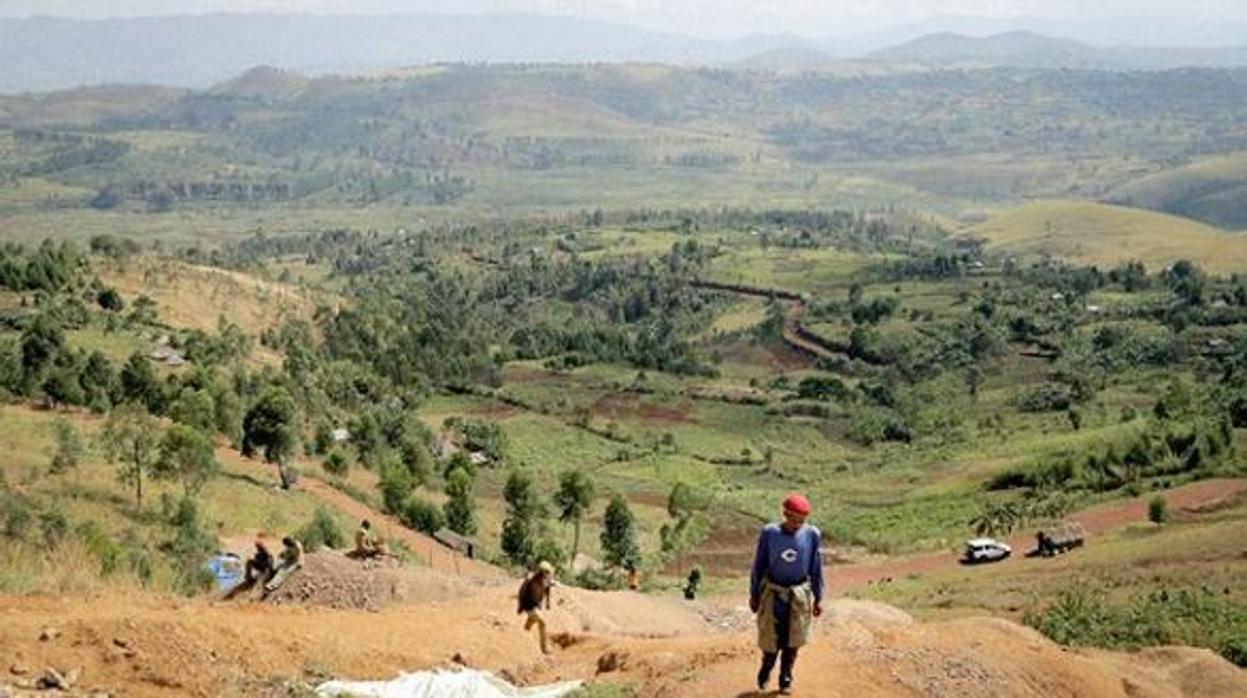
[(421, 515), (1158, 510), (1200, 618), (1048, 397), (321, 532), (16, 515), (337, 464)]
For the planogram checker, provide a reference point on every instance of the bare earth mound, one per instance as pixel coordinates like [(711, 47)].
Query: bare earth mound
[(333, 580), (144, 646)]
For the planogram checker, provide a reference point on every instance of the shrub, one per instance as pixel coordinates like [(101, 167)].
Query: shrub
[(337, 464), (422, 515), (321, 532), (1200, 618), (1048, 397), (1158, 510)]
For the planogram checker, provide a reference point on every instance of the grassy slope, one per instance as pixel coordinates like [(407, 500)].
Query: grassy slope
[(1193, 551), (1209, 190), (1103, 234), (237, 504)]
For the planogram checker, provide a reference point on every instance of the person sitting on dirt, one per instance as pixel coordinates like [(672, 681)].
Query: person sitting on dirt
[(367, 547), (533, 593), (291, 561), (258, 569), (786, 589)]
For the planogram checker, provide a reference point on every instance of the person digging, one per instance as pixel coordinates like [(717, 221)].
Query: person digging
[(786, 590), (533, 593)]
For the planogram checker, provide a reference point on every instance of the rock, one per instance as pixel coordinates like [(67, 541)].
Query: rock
[(6, 691), (72, 676), (459, 659), (53, 679), (19, 669), (611, 661), (120, 642), (25, 683), (49, 634)]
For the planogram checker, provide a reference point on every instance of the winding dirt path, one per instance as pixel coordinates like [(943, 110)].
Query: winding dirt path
[(1095, 520)]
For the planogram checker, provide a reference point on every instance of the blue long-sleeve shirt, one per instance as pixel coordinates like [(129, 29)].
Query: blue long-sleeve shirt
[(787, 559)]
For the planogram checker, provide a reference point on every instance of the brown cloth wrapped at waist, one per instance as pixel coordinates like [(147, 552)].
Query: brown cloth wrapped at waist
[(800, 600)]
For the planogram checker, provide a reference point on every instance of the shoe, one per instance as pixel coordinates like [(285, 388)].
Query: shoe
[(762, 682), (785, 690)]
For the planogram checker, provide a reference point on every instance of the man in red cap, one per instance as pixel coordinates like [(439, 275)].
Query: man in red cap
[(786, 589)]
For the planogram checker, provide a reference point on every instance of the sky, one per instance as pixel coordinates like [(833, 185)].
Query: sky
[(710, 18)]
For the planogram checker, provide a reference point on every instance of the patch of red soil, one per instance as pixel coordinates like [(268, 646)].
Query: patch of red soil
[(492, 410), (623, 405)]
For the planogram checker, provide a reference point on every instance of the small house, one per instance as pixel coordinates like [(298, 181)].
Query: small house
[(464, 545), (340, 435)]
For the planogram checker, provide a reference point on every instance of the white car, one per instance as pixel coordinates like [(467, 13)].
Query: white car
[(986, 550)]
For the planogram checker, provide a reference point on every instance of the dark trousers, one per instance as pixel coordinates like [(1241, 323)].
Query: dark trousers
[(787, 655), (787, 658)]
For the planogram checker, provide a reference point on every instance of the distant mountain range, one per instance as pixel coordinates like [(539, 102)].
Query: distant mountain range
[(46, 53), (1030, 50)]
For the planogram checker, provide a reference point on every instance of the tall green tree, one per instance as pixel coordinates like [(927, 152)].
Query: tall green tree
[(195, 408), (41, 343), (99, 382), (188, 456), (139, 383), (524, 513), (131, 439), (573, 499), (618, 539), (460, 508), (269, 426)]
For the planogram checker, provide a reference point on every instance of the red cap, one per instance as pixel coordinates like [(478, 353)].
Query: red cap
[(797, 504)]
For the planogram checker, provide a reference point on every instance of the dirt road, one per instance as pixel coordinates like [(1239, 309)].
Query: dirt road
[(143, 646), (843, 577)]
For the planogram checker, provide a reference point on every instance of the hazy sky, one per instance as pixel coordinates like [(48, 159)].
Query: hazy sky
[(702, 17)]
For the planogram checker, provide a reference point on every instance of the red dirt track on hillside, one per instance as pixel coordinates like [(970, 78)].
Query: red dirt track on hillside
[(1098, 519)]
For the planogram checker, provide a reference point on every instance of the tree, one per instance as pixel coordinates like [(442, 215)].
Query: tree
[(41, 343), (68, 446), (187, 455), (131, 438), (573, 499), (422, 515), (139, 384), (195, 408), (269, 426), (99, 382), (395, 484), (524, 512), (460, 509), (619, 546), (61, 387)]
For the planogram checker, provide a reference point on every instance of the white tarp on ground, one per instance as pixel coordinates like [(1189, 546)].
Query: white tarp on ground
[(463, 683)]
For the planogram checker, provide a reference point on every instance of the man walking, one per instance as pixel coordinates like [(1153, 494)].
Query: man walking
[(533, 593), (786, 590)]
